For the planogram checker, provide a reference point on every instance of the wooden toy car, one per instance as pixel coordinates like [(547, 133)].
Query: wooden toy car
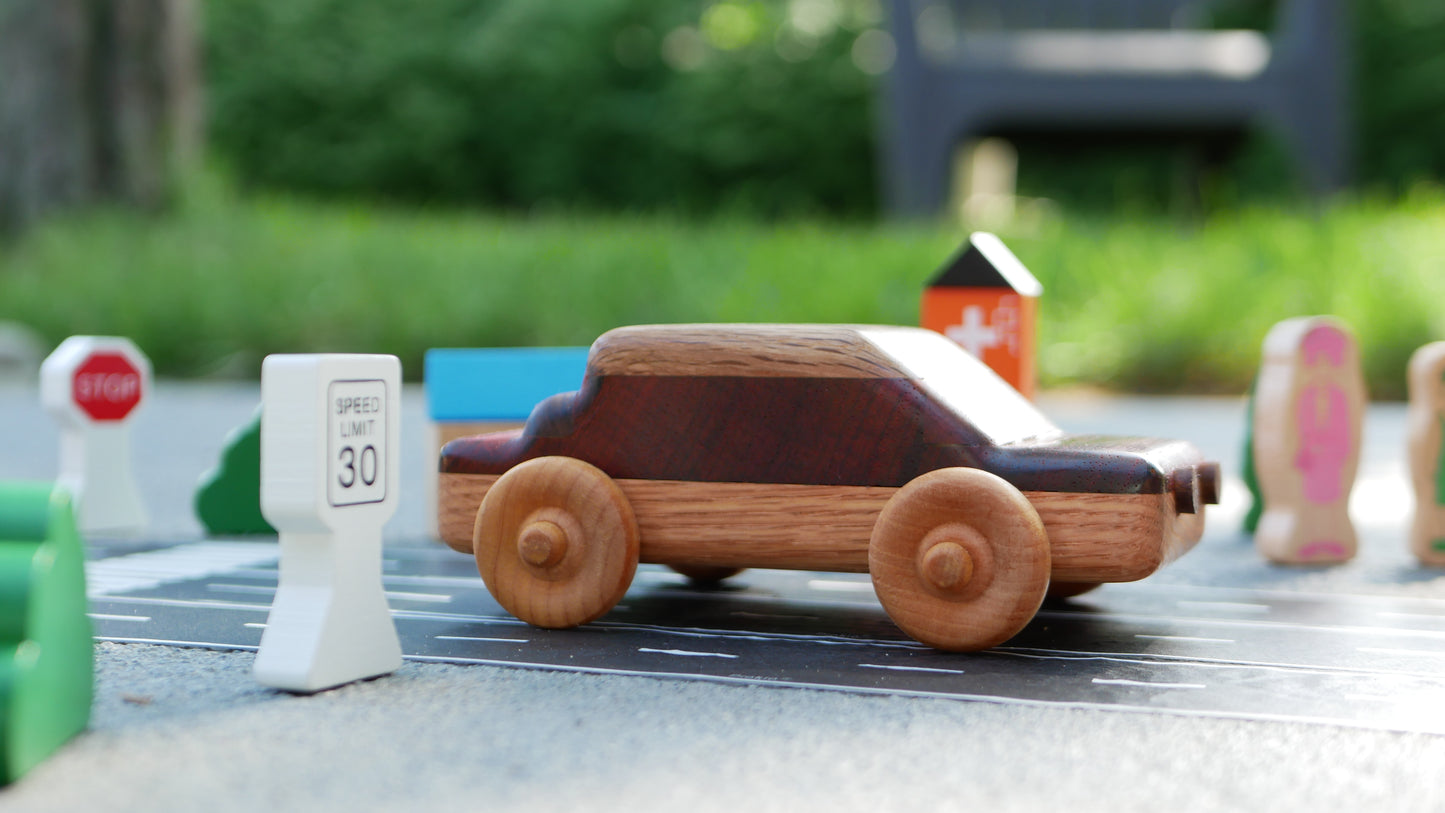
[(884, 450)]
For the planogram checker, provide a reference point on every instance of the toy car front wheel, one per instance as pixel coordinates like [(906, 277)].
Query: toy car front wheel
[(960, 559), (556, 542)]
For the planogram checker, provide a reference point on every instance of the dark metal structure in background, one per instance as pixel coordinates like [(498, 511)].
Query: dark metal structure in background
[(965, 68)]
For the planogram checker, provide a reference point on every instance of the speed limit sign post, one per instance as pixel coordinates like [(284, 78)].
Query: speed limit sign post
[(330, 469), (94, 386)]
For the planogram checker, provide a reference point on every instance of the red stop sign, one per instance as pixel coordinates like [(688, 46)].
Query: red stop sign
[(106, 386)]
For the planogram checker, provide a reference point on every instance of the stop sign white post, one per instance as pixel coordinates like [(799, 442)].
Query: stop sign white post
[(330, 478), (93, 386)]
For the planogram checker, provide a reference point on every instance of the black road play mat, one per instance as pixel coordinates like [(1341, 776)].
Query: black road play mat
[(1244, 653)]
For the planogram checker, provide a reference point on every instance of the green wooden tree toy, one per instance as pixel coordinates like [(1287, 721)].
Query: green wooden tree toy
[(228, 503), (47, 652)]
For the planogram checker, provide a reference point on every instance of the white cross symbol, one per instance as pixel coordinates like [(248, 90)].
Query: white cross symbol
[(973, 334)]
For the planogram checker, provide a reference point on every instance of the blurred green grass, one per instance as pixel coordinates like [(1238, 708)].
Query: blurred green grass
[(1147, 304)]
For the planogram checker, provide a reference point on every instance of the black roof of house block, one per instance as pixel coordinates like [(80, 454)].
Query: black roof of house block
[(985, 262)]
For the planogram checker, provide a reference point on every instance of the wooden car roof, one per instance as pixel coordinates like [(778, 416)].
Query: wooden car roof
[(751, 350)]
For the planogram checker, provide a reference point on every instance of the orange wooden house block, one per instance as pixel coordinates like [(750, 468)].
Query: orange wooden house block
[(986, 300)]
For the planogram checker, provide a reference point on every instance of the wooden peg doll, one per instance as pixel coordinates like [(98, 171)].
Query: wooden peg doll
[(1309, 404), (1423, 426)]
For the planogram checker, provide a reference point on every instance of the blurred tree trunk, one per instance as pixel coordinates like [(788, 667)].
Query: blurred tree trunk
[(99, 101)]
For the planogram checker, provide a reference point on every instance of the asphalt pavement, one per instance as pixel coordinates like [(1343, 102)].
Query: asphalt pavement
[(187, 729)]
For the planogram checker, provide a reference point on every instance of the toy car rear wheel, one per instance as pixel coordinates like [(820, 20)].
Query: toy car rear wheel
[(556, 542), (960, 559)]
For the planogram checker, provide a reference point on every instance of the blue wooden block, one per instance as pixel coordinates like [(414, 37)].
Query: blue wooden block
[(498, 383)]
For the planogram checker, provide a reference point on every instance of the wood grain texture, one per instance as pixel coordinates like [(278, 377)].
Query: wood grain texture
[(789, 527), (1093, 537), (1112, 537), (959, 559), (443, 432), (439, 434), (769, 351), (1424, 449), (809, 431), (1309, 407), (556, 542), (458, 496)]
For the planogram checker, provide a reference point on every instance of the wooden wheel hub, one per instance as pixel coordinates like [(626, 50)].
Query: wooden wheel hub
[(954, 562), (947, 566), (542, 544)]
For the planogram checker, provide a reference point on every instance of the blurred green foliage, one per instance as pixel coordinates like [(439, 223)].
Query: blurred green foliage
[(757, 106), (634, 104), (1140, 304), (1400, 90)]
